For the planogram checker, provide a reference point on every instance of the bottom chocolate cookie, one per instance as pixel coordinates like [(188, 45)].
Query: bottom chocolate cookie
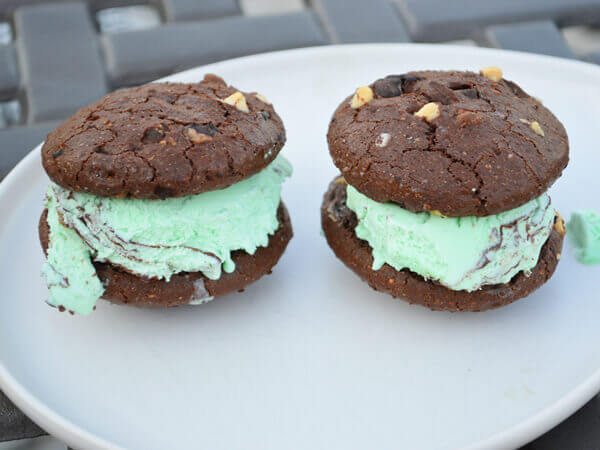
[(338, 223), (188, 288)]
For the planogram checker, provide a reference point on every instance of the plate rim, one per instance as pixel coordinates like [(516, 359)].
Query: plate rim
[(514, 436)]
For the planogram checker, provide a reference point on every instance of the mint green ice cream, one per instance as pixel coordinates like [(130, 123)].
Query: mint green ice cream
[(583, 230), (462, 253), (156, 238), (69, 272)]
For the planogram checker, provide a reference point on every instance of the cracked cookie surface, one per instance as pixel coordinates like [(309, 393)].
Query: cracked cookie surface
[(488, 148), (164, 140)]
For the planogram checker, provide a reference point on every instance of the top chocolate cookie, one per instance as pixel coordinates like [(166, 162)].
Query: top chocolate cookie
[(164, 140), (460, 143)]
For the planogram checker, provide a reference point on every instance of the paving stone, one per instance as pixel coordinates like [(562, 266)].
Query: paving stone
[(270, 7), (97, 5), (13, 423), (180, 10), (434, 20), (593, 57), (135, 57), (582, 39), (10, 113), (5, 33), (541, 37), (8, 7), (352, 21), (59, 59), (9, 77), (128, 18), (15, 143), (38, 443)]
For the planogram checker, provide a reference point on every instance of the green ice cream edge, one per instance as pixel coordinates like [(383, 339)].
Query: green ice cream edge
[(156, 238), (461, 253)]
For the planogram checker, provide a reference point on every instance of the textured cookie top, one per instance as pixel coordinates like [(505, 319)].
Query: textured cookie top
[(164, 140), (458, 143)]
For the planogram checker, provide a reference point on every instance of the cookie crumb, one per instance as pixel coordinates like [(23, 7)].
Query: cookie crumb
[(428, 111), (535, 126), (558, 255), (262, 98), (492, 73), (559, 224), (383, 140), (238, 100), (362, 96), (340, 180)]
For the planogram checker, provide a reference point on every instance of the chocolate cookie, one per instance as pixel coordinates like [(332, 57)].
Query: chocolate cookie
[(338, 223), (164, 140), (188, 288), (461, 143)]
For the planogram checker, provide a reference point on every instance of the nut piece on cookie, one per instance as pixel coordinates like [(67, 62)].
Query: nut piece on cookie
[(428, 111), (493, 73), (559, 224), (383, 140), (535, 126), (238, 100), (341, 180), (197, 138), (262, 98), (362, 96)]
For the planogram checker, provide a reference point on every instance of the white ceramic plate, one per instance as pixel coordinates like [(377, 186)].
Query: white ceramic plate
[(311, 357)]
